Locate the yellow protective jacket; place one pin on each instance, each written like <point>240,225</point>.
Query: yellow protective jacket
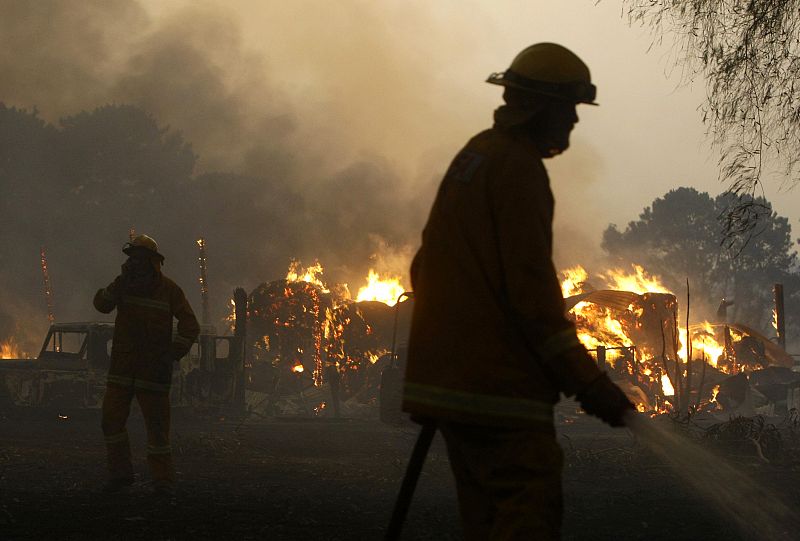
<point>489,327</point>
<point>144,348</point>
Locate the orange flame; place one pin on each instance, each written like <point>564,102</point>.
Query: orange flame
<point>666,386</point>
<point>10,350</point>
<point>312,274</point>
<point>704,343</point>
<point>611,328</point>
<point>639,282</point>
<point>298,368</point>
<point>385,289</point>
<point>574,280</point>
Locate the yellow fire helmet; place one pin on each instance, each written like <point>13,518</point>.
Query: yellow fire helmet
<point>551,70</point>
<point>143,245</point>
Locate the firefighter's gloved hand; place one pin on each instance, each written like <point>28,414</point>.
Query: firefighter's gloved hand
<point>117,287</point>
<point>603,399</point>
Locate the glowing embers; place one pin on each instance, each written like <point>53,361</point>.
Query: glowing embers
<point>312,330</point>
<point>643,344</point>
<point>631,325</point>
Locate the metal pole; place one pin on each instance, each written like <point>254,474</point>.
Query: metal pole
<point>201,244</point>
<point>48,291</point>
<point>409,294</point>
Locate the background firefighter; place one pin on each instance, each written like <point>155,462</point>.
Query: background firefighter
<point>142,357</point>
<point>490,347</point>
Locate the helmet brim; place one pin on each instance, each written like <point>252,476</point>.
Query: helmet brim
<point>131,250</point>
<point>576,91</point>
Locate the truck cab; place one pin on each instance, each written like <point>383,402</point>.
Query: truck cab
<point>71,368</point>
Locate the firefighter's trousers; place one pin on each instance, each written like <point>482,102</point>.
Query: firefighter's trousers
<point>156,411</point>
<point>508,481</point>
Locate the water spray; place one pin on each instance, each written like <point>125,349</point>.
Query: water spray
<point>757,511</point>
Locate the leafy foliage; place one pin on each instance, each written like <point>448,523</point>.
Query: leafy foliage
<point>678,236</point>
<point>749,53</point>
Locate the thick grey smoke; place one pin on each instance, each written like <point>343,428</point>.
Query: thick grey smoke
<point>260,191</point>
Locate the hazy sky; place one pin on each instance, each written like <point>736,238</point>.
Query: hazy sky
<point>403,79</point>
<point>353,105</point>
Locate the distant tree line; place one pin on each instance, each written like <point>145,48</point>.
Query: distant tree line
<point>678,237</point>
<point>78,187</point>
<point>748,52</point>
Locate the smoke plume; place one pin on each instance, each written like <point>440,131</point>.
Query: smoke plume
<point>244,170</point>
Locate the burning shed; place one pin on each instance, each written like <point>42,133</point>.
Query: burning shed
<point>315,342</point>
<point>633,328</point>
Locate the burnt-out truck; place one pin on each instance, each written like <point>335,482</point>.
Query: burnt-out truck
<point>71,369</point>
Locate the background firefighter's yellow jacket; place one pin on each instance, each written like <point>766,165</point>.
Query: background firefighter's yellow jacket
<point>488,320</point>
<point>143,347</point>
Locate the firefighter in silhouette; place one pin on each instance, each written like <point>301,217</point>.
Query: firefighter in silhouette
<point>144,350</point>
<point>490,347</point>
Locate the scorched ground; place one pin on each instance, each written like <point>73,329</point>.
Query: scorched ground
<point>331,479</point>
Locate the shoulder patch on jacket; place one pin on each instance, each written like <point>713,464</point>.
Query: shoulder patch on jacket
<point>464,166</point>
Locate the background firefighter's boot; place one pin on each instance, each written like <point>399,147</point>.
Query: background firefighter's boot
<point>155,409</point>
<point>120,467</point>
<point>116,408</point>
<point>161,468</point>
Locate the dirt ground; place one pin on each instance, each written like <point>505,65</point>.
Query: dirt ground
<point>326,479</point>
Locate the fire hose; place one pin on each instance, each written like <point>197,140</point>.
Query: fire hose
<point>413,470</point>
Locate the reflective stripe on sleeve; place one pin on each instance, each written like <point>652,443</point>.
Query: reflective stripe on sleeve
<point>479,404</point>
<point>558,343</point>
<point>145,385</point>
<point>159,450</point>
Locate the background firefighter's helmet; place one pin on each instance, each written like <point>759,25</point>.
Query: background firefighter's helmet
<point>143,245</point>
<point>551,70</point>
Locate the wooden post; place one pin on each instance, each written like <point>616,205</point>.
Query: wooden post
<point>240,333</point>
<point>677,384</point>
<point>688,394</point>
<point>634,365</point>
<point>601,358</point>
<point>780,315</point>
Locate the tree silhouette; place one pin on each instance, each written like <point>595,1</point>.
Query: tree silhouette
<point>119,154</point>
<point>749,53</point>
<point>678,237</point>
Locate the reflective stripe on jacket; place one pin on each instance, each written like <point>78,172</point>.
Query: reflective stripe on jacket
<point>144,347</point>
